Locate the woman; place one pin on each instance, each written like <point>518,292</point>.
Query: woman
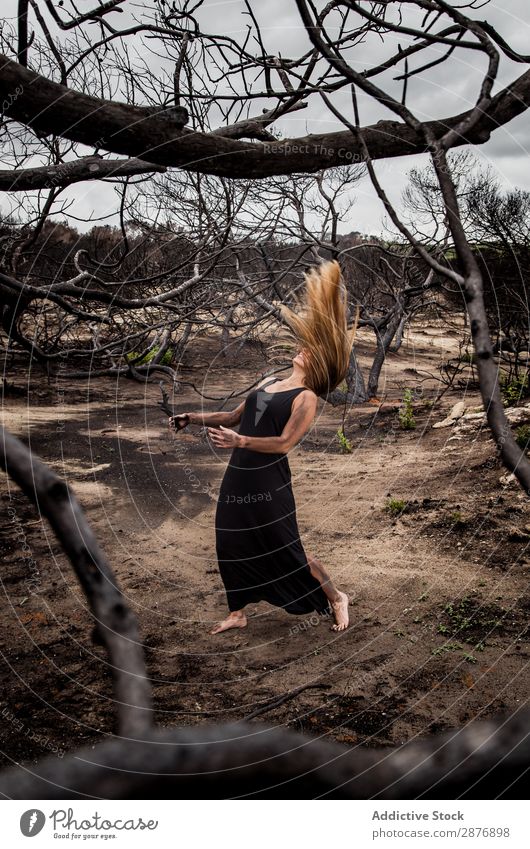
<point>260,555</point>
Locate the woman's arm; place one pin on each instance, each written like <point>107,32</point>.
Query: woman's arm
<point>227,418</point>
<point>302,414</point>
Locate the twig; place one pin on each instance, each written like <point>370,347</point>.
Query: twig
<point>285,698</point>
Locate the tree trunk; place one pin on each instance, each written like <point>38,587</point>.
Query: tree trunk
<point>399,335</point>
<point>383,344</point>
<point>355,387</point>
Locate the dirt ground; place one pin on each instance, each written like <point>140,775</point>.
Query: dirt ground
<point>439,594</point>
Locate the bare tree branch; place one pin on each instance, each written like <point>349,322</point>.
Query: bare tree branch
<point>116,625</point>
<point>483,760</point>
<point>75,171</point>
<point>158,135</point>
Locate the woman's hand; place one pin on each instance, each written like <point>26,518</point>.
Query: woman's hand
<point>179,422</point>
<point>223,437</point>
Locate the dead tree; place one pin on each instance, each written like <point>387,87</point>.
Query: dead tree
<point>47,95</point>
<point>497,225</point>
<point>244,144</point>
<point>448,26</point>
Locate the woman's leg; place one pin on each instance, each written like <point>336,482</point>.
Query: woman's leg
<point>235,619</point>
<point>338,599</point>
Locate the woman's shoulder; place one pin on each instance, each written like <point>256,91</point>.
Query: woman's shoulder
<point>307,396</point>
<point>308,392</point>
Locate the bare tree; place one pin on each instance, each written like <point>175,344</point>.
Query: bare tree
<point>70,79</point>
<point>215,76</point>
<point>460,31</point>
<point>497,225</point>
<point>221,81</point>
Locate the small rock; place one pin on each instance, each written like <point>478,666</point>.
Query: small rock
<point>474,416</point>
<point>456,413</point>
<point>516,535</point>
<point>518,415</point>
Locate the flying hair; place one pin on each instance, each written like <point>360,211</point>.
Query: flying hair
<point>320,326</point>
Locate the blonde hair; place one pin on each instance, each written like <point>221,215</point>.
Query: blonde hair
<point>320,326</point>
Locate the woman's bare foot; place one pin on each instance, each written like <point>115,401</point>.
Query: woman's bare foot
<point>340,612</point>
<point>236,619</point>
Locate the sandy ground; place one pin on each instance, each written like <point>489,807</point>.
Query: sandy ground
<point>439,595</point>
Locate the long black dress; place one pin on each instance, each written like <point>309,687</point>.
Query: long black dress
<point>260,554</point>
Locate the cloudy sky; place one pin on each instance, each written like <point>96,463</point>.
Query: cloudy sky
<point>446,90</point>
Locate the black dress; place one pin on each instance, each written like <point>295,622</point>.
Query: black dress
<point>260,555</point>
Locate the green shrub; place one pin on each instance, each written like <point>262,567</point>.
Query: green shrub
<point>447,647</point>
<point>515,389</point>
<point>406,413</point>
<point>457,520</point>
<point>395,506</point>
<point>165,361</point>
<point>344,443</point>
<point>523,437</point>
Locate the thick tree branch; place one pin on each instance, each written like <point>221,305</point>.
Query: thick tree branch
<point>115,624</point>
<point>481,761</point>
<point>158,136</point>
<point>75,171</point>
